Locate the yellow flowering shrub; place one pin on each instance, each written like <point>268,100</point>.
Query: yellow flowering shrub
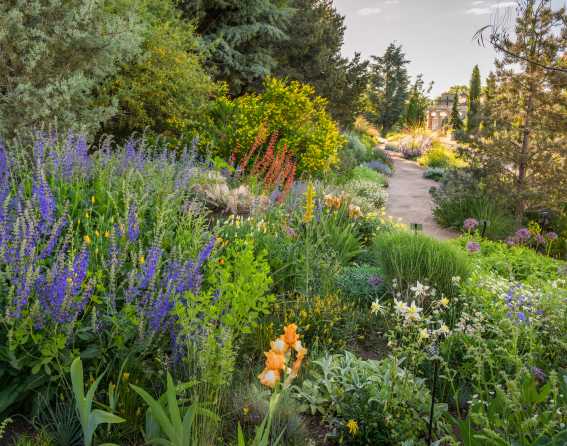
<point>294,112</point>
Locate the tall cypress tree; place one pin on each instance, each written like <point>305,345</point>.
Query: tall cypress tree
<point>418,102</point>
<point>473,112</point>
<point>456,121</point>
<point>488,103</point>
<point>388,87</point>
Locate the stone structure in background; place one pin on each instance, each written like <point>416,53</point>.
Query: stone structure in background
<point>439,114</point>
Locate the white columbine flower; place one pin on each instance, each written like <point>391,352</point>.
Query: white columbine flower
<point>419,289</point>
<point>400,306</point>
<point>456,280</point>
<point>424,333</point>
<point>444,330</point>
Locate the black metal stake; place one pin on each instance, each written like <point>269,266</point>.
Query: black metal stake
<point>432,411</point>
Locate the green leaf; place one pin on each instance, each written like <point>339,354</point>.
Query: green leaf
<point>157,411</point>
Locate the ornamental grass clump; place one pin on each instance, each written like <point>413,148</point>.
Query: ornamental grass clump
<point>409,258</point>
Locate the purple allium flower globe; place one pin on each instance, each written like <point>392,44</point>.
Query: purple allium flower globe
<point>523,234</point>
<point>470,224</point>
<point>540,239</point>
<point>473,247</point>
<point>551,236</point>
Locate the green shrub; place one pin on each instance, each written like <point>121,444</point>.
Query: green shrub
<point>368,195</point>
<point>434,173</point>
<point>407,258</point>
<point>354,153</point>
<point>440,156</point>
<point>362,283</point>
<point>363,173</point>
<point>367,402</point>
<point>293,111</point>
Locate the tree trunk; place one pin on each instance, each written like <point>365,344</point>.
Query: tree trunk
<point>524,154</point>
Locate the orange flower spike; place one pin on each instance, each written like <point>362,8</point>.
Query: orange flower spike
<point>290,334</point>
<point>269,378</point>
<point>274,361</point>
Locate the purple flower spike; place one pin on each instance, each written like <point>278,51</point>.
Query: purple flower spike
<point>470,224</point>
<point>539,374</point>
<point>133,225</point>
<point>473,247</point>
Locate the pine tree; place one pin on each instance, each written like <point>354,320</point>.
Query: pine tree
<point>456,121</point>
<point>388,88</point>
<point>240,37</point>
<point>473,112</point>
<point>418,102</point>
<point>54,56</point>
<point>525,156</point>
<point>312,55</point>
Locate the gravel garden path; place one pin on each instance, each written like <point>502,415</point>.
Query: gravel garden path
<point>409,198</point>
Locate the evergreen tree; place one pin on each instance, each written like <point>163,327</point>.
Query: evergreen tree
<point>525,156</point>
<point>418,103</point>
<point>312,55</point>
<point>456,121</point>
<point>53,55</point>
<point>473,112</point>
<point>489,97</point>
<point>388,88</point>
<point>239,37</point>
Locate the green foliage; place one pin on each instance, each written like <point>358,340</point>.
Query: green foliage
<point>239,37</point>
<point>434,173</point>
<point>368,195</point>
<point>166,90</point>
<point>388,404</point>
<point>55,56</point>
<point>362,283</point>
<point>293,111</point>
<point>462,195</point>
<point>90,418</point>
<point>363,173</point>
<point>440,156</point>
<point>356,151</point>
<point>456,121</point>
<point>418,102</point>
<point>175,420</point>
<point>388,89</point>
<point>312,55</point>
<point>408,258</point>
<point>473,112</point>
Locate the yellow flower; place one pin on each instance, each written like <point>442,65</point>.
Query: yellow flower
<point>245,410</point>
<point>142,260</point>
<point>97,233</point>
<point>444,330</point>
<point>125,376</point>
<point>352,427</point>
<point>354,211</point>
<point>87,239</point>
<point>309,203</point>
<point>376,308</point>
<point>444,301</point>
<point>107,234</point>
<point>69,280</point>
<point>93,199</point>
<point>423,333</point>
<point>412,312</point>
<point>269,378</point>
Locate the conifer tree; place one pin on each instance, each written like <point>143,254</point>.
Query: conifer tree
<point>525,155</point>
<point>456,121</point>
<point>473,112</point>
<point>417,103</point>
<point>240,37</point>
<point>53,55</point>
<point>388,88</point>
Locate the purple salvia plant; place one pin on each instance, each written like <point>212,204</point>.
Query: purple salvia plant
<point>45,200</point>
<point>133,225</point>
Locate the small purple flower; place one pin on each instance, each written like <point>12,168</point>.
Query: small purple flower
<point>539,374</point>
<point>45,200</point>
<point>473,247</point>
<point>522,316</point>
<point>523,234</point>
<point>512,241</point>
<point>540,239</point>
<point>291,232</point>
<point>551,236</point>
<point>470,224</point>
<point>375,281</point>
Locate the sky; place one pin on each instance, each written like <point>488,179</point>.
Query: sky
<point>436,35</point>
